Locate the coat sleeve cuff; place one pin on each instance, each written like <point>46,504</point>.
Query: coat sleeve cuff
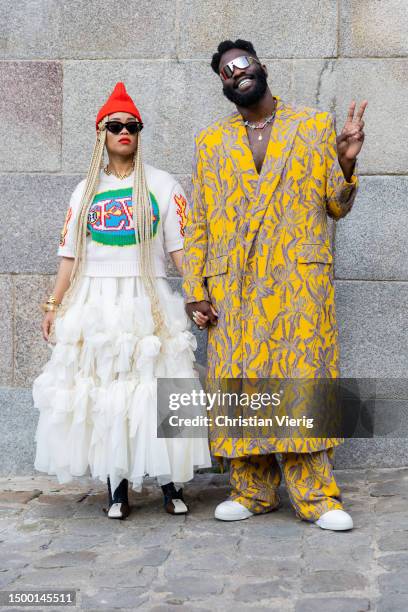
<point>353,182</point>
<point>346,190</point>
<point>194,291</point>
<point>343,192</point>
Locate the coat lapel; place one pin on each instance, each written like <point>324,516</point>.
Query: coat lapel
<point>236,146</point>
<point>280,144</point>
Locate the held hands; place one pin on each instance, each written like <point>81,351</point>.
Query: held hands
<point>202,313</point>
<point>351,138</point>
<point>47,322</point>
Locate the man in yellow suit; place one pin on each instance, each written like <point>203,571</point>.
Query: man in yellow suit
<point>258,271</point>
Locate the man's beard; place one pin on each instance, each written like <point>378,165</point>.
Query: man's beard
<point>252,97</point>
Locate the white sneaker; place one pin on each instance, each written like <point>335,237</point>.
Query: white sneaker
<point>231,511</point>
<point>336,520</point>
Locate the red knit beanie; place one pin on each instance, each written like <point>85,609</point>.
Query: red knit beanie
<point>118,102</point>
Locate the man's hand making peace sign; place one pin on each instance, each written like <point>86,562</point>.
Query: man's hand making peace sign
<point>351,139</point>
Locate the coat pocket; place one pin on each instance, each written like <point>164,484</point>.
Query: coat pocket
<point>314,253</point>
<point>217,265</point>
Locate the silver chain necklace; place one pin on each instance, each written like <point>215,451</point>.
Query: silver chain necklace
<point>260,126</point>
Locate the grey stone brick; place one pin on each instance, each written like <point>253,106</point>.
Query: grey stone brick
<point>211,22</point>
<point>196,586</point>
<point>67,559</point>
<point>331,581</point>
<point>30,116</point>
<point>108,599</point>
<point>9,577</point>
<point>77,542</point>
<point>396,541</point>
<point>392,603</point>
<point>92,527</point>
<point>31,351</point>
<point>18,497</point>
<point>387,506</point>
<point>366,452</point>
<point>373,28</point>
<point>30,29</point>
<point>17,428</point>
<point>151,557</point>
<point>258,591</point>
<point>208,560</point>
<point>394,562</point>
<point>390,488</point>
<point>314,83</point>
<point>124,575</point>
<point>50,577</point>
<point>14,561</point>
<point>43,29</point>
<point>333,604</point>
<point>316,559</point>
<point>6,329</point>
<point>370,242</point>
<point>394,520</point>
<point>394,582</point>
<point>121,30</point>
<point>34,222</point>
<point>373,336</point>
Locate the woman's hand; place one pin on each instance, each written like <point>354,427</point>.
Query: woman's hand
<point>48,320</point>
<point>202,313</point>
<point>62,283</point>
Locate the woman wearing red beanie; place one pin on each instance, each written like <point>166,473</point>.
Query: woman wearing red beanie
<point>116,325</point>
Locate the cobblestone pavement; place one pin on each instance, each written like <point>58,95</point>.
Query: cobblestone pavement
<point>58,537</point>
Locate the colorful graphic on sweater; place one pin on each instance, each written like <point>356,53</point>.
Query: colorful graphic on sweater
<point>181,204</point>
<point>65,228</point>
<point>110,217</point>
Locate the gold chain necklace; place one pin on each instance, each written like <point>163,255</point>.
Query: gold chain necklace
<point>119,176</point>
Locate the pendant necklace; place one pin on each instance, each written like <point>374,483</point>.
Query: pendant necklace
<point>261,125</point>
<point>117,174</point>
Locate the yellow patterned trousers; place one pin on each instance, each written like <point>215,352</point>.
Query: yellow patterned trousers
<point>309,480</point>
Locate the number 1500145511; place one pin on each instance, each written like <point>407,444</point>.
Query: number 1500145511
<point>34,598</point>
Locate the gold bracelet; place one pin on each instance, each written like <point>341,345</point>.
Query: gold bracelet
<point>51,305</point>
<point>46,307</point>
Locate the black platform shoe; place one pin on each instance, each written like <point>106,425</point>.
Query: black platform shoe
<point>173,500</point>
<point>118,503</point>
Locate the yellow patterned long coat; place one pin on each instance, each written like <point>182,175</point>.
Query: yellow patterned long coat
<point>258,247</point>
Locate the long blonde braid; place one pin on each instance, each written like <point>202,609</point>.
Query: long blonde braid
<point>143,220</point>
<point>91,185</point>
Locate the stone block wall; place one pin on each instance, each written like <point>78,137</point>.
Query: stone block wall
<point>58,62</point>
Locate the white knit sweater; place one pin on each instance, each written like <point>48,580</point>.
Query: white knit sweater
<point>111,242</point>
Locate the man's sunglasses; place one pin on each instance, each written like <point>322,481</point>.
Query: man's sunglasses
<point>117,126</point>
<point>239,62</point>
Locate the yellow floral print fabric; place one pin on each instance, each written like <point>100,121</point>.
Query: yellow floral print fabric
<point>309,480</point>
<point>258,247</point>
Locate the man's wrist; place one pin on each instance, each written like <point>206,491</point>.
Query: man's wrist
<point>348,167</point>
<point>194,293</point>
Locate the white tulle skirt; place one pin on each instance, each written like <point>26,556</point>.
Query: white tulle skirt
<point>97,393</point>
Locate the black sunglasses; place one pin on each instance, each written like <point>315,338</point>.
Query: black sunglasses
<point>117,126</point>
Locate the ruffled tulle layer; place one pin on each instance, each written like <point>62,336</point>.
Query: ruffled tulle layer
<point>97,393</point>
